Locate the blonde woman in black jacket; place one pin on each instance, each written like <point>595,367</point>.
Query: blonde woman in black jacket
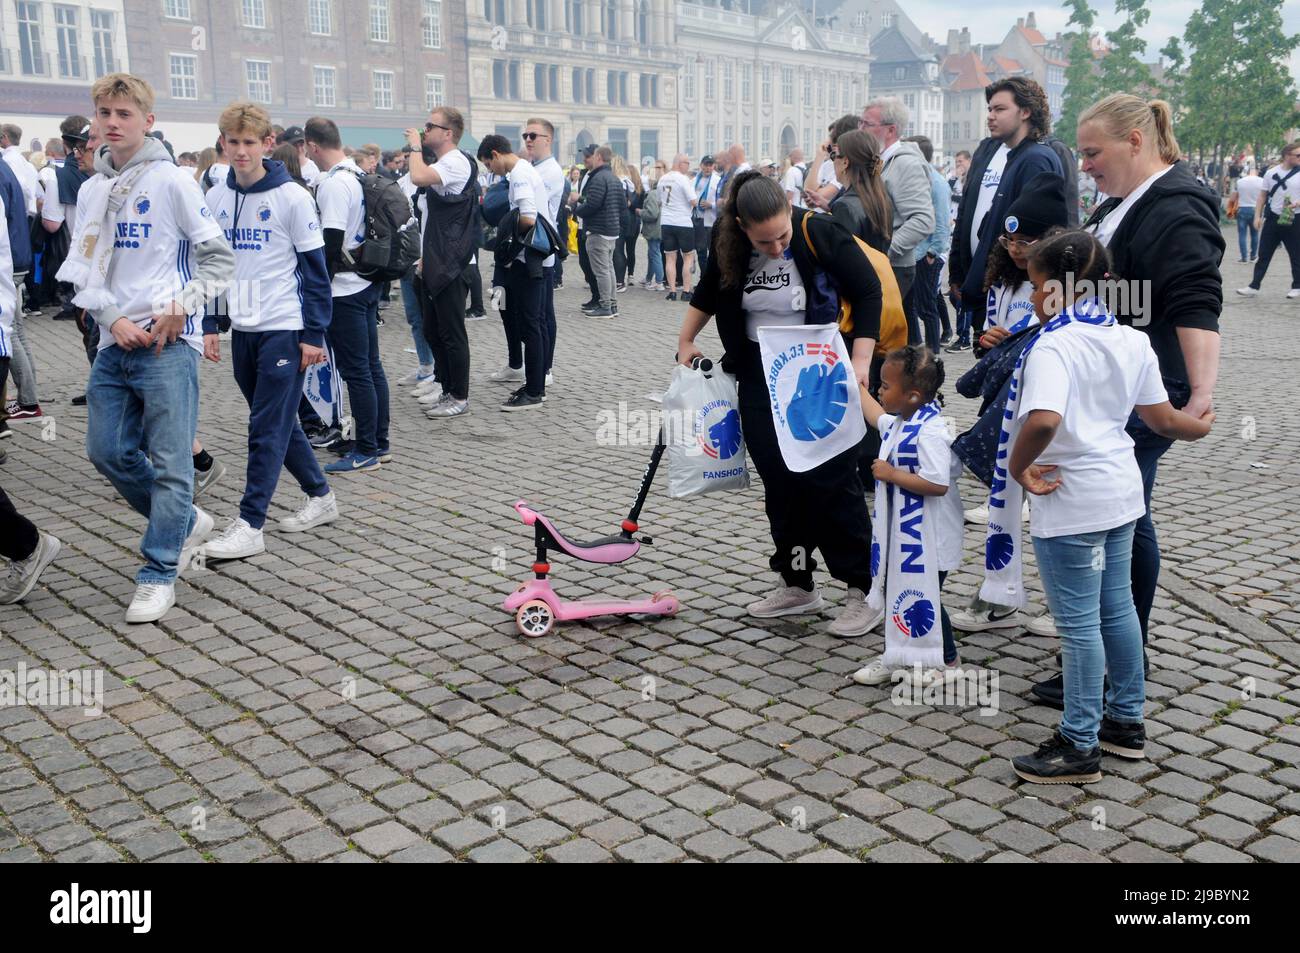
<point>823,508</point>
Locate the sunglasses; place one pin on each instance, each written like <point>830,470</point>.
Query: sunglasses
<point>430,126</point>
<point>530,136</point>
<point>1015,244</point>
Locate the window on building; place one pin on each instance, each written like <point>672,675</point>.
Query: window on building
<point>514,79</point>
<point>176,9</point>
<point>183,72</point>
<point>539,81</point>
<point>649,143</point>
<point>535,11</point>
<point>257,73</point>
<point>886,20</point>
<point>844,94</point>
<point>611,88</point>
<point>512,136</point>
<point>807,89</point>
<point>710,137</point>
<point>382,87</point>
<point>643,28</point>
<point>577,86</point>
<point>320,19</point>
<point>765,85</point>
<point>591,85</point>
<point>618,142</point>
<point>767,141</point>
<point>102,28</point>
<point>746,82</point>
<point>787,85</point>
<point>435,91</point>
<point>688,139</point>
<point>499,79</point>
<point>746,139</point>
<point>728,81</point>
<point>65,25</point>
<point>710,80</point>
<point>379,22</point>
<point>31,49</point>
<point>322,85</point>
<point>654,89</point>
<point>821,91</point>
<point>900,72</point>
<point>431,24</point>
<point>622,89</point>
<point>254,13</point>
<point>688,82</point>
<point>609,19</point>
<point>494,11</point>
<point>573,16</point>
<point>553,84</point>
<point>728,134</point>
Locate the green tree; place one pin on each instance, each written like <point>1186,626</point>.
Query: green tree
<point>1080,75</point>
<point>1171,87</point>
<point>1122,69</point>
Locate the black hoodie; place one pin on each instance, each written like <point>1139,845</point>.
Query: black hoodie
<point>1171,238</point>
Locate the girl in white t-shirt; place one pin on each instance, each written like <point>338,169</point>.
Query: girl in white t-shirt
<point>910,379</point>
<point>1072,394</point>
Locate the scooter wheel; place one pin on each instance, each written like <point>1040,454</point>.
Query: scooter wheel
<point>534,618</point>
<point>667,596</point>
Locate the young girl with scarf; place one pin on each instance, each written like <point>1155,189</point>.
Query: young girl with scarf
<point>1063,440</point>
<point>916,528</point>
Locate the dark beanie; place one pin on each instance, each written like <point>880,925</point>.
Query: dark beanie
<point>1040,205</point>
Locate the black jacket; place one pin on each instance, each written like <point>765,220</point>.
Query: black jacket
<point>452,233</point>
<point>603,203</point>
<point>838,269</point>
<point>846,208</point>
<point>1170,238</point>
<point>965,263</point>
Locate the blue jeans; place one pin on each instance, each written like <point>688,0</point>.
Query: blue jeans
<point>963,325</point>
<point>1089,589</point>
<point>138,400</point>
<point>266,369</point>
<point>1245,223</point>
<point>655,260</point>
<point>354,336</point>
<point>414,317</point>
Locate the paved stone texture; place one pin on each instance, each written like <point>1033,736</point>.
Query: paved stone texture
<point>358,693</point>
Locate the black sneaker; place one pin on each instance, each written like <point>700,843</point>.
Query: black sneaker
<point>330,437</point>
<point>602,313</point>
<point>671,296</point>
<point>522,400</point>
<point>956,346</point>
<point>1057,761</point>
<point>523,391</point>
<point>344,447</point>
<point>1123,739</point>
<point>79,400</point>
<point>1050,693</point>
<point>4,430</point>
<point>686,296</point>
<point>589,305</point>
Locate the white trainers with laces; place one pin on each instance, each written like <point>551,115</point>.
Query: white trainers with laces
<point>316,511</point>
<point>425,385</point>
<point>788,600</point>
<point>151,602</point>
<point>507,374</point>
<point>977,514</point>
<point>203,524</point>
<point>433,398</point>
<point>237,541</point>
<point>1042,624</point>
<point>873,673</point>
<point>856,617</point>
<point>1248,292</point>
<point>451,407</point>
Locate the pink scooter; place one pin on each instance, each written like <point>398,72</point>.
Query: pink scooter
<point>535,604</point>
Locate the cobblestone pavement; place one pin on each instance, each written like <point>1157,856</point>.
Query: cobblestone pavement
<point>231,733</point>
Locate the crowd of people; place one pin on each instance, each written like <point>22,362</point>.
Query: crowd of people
<point>267,256</point>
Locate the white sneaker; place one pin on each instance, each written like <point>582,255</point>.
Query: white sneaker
<point>151,602</point>
<point>1293,293</point>
<point>981,616</point>
<point>873,673</point>
<point>1042,624</point>
<point>550,378</point>
<point>413,377</point>
<point>856,617</point>
<point>237,541</point>
<point>507,374</point>
<point>977,514</point>
<point>203,524</point>
<point>434,397</point>
<point>932,675</point>
<point>1248,292</point>
<point>424,385</point>
<point>787,600</point>
<point>316,511</point>
<point>451,407</point>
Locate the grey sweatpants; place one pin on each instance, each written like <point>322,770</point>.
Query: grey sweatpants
<point>600,252</point>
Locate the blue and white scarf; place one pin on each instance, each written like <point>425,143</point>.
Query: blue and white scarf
<point>994,304</point>
<point>1003,584</point>
<point>904,554</point>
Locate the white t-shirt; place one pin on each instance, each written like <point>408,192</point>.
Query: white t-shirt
<point>310,171</point>
<point>1290,190</point>
<point>792,182</point>
<point>988,189</point>
<point>26,173</point>
<point>153,234</point>
<point>1010,308</point>
<point>527,194</point>
<point>266,230</point>
<point>1106,228</point>
<point>552,177</point>
<point>55,211</point>
<point>217,172</point>
<point>454,171</point>
<point>45,176</point>
<point>706,190</point>
<point>774,293</point>
<point>1092,376</point>
<point>940,466</point>
<point>676,196</point>
<point>342,206</point>
<point>1248,189</point>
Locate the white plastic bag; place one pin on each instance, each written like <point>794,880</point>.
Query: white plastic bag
<point>706,451</point>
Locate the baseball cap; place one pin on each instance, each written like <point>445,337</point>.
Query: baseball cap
<point>590,150</point>
<point>292,134</point>
<point>707,160</point>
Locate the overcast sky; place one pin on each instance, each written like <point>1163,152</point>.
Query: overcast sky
<point>996,17</point>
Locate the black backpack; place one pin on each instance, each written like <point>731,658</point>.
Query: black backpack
<point>391,245</point>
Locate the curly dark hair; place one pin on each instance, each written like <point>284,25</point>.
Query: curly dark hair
<point>1027,95</point>
<point>752,198</point>
<point>922,370</point>
<point>1002,269</point>
<point>1071,253</point>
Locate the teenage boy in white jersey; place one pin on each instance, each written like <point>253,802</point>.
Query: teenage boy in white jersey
<point>677,200</point>
<point>144,271</point>
<point>279,308</point>
<point>539,137</point>
<point>443,205</point>
<point>354,324</point>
